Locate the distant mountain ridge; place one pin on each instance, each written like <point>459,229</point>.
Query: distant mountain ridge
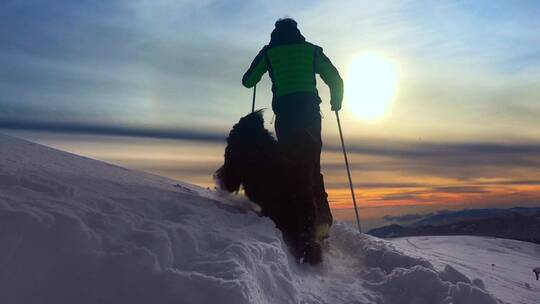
<point>449,217</point>
<point>515,223</point>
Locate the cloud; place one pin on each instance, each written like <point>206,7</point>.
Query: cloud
<point>379,185</point>
<point>124,61</point>
<point>420,149</point>
<point>528,182</point>
<point>463,161</point>
<point>112,130</point>
<point>460,189</point>
<point>458,160</point>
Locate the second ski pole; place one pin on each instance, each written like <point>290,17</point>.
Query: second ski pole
<point>348,172</point>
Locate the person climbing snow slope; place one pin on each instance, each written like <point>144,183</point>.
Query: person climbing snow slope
<point>292,64</point>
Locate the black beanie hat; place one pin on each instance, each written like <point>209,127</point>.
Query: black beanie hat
<point>286,23</point>
<point>286,32</point>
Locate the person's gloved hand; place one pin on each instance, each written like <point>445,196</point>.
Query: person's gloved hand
<point>335,107</point>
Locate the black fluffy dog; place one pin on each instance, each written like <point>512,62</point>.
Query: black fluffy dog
<point>254,160</point>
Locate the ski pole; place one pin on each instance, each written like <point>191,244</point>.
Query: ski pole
<point>253,103</point>
<point>348,172</point>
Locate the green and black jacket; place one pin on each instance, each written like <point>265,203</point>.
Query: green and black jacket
<point>292,68</point>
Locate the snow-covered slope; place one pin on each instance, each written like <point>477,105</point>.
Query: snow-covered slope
<point>505,266</point>
<point>76,230</point>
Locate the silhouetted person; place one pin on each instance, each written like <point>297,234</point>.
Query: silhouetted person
<point>292,63</point>
<point>537,272</point>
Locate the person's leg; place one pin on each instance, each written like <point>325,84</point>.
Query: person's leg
<point>324,215</point>
<point>320,197</point>
<point>295,140</point>
<point>307,247</point>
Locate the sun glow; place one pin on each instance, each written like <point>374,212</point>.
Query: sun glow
<point>370,86</point>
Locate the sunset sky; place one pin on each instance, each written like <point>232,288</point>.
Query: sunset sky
<point>155,85</point>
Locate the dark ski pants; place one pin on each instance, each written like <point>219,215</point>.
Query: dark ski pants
<point>298,129</point>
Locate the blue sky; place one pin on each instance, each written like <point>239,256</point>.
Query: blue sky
<point>178,63</point>
<point>465,114</point>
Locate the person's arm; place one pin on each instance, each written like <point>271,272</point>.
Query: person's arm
<point>256,70</point>
<point>330,75</point>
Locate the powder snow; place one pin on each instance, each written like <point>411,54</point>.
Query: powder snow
<point>77,230</point>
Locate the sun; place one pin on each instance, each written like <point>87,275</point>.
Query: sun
<point>370,86</point>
